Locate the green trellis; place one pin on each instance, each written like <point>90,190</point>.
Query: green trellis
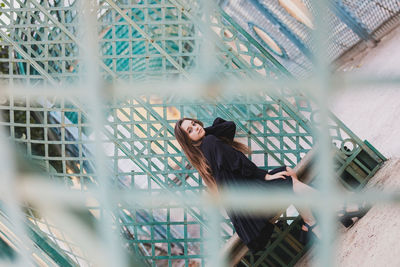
<point>138,41</point>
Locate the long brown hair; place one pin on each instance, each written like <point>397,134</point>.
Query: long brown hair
<point>195,156</point>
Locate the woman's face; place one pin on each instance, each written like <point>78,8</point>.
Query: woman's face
<point>193,130</point>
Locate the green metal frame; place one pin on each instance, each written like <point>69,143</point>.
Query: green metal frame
<point>156,40</point>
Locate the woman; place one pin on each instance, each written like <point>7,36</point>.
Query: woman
<point>220,160</point>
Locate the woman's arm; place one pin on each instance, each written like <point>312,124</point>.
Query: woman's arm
<point>227,158</point>
<point>222,128</point>
<point>280,173</point>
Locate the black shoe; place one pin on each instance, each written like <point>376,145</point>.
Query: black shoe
<point>348,218</point>
<point>306,236</point>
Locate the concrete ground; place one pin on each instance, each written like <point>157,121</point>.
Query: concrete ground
<point>373,113</point>
<point>372,241</point>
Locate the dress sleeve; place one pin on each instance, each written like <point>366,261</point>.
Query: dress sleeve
<point>276,170</point>
<point>228,158</point>
<point>222,128</point>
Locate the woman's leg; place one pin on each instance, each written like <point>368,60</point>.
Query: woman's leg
<point>305,213</point>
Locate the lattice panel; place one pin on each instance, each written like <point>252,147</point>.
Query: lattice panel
<point>41,40</point>
<point>147,40</point>
<point>136,40</point>
<point>143,153</point>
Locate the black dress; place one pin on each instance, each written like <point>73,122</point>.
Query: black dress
<point>231,167</point>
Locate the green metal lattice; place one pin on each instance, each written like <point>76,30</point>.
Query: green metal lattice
<point>152,40</point>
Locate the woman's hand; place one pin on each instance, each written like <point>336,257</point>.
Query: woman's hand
<point>291,172</point>
<point>279,175</point>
